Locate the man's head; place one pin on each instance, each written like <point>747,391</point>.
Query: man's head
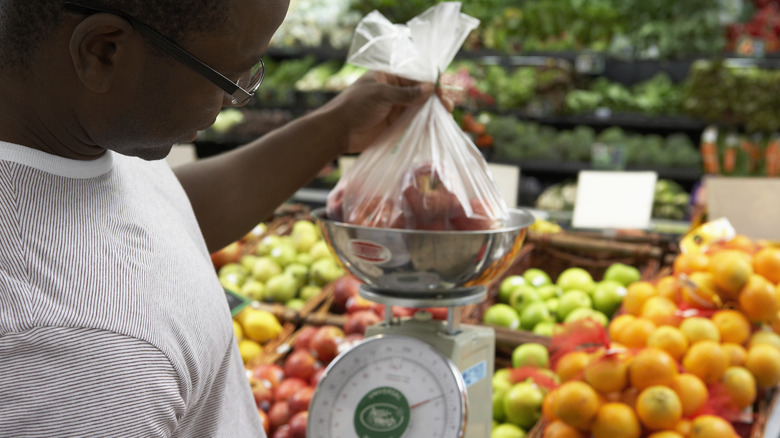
<point>103,83</point>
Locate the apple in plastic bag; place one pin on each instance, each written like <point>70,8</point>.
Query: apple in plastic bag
<point>378,212</point>
<point>428,200</point>
<point>479,219</point>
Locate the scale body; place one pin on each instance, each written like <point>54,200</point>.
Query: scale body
<point>416,269</point>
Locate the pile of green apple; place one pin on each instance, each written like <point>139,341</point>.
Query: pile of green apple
<point>517,401</point>
<point>288,269</point>
<point>533,302</point>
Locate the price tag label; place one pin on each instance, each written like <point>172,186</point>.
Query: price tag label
<point>750,204</point>
<point>236,302</point>
<point>614,200</point>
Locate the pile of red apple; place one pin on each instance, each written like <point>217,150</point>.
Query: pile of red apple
<point>427,200</point>
<point>283,392</point>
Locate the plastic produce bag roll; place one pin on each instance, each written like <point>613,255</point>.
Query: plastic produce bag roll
<point>424,172</point>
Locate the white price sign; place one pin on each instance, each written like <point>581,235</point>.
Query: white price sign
<point>614,200</point>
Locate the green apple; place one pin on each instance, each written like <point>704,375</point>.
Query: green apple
<point>283,253</point>
<point>530,354</point>
<point>248,261</point>
<point>266,244</point>
<point>507,430</point>
<point>304,235</point>
<point>622,273</point>
<point>229,282</point>
<point>295,304</point>
<point>501,315</point>
<point>303,258</point>
<point>522,296</point>
<point>608,296</point>
<point>502,377</point>
<point>508,285</point>
<point>309,291</point>
<point>545,328</point>
<point>234,268</point>
<point>572,300</point>
<point>552,304</point>
<point>536,277</point>
<point>253,289</point>
<point>320,250</point>
<point>281,288</point>
<point>265,268</point>
<point>534,313</point>
<point>523,404</point>
<point>299,271</point>
<point>584,313</point>
<point>576,278</point>
<point>548,291</point>
<point>325,270</point>
<point>500,388</point>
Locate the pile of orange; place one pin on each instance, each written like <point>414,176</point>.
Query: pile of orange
<point>710,329</point>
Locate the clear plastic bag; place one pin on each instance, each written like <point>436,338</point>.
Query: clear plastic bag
<point>424,172</point>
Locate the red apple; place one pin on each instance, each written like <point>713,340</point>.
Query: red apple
<point>344,288</point>
<point>264,420</point>
<point>271,373</point>
<point>428,202</point>
<point>228,254</point>
<point>438,313</point>
<point>282,432</point>
<point>357,322</point>
<point>377,212</point>
<point>315,378</point>
<point>288,387</point>
<point>300,363</point>
<point>350,340</point>
<point>358,303</point>
<point>298,424</point>
<point>303,338</point>
<point>300,400</point>
<point>325,343</point>
<point>334,207</point>
<point>262,392</point>
<point>479,219</point>
<point>279,414</point>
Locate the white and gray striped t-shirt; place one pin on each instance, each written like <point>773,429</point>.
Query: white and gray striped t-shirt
<point>112,322</point>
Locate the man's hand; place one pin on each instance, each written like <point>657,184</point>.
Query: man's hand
<point>374,102</point>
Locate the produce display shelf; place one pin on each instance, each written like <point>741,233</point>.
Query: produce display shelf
<point>572,167</point>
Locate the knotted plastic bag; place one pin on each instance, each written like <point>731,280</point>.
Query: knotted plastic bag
<point>424,172</point>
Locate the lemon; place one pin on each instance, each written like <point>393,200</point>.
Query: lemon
<point>238,330</point>
<point>249,349</point>
<point>260,325</point>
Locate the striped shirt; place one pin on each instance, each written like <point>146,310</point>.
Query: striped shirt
<point>112,322</point>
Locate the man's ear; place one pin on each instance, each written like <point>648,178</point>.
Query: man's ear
<point>97,45</point>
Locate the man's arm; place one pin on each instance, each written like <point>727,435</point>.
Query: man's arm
<point>232,192</point>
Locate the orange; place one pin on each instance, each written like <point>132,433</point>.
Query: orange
<point>697,328</point>
<point>766,262</point>
<point>774,323</point>
<point>608,371</point>
<point>559,429</point>
<point>660,310</point>
<point>711,426</point>
<point>735,352</point>
<point>636,295</point>
<point>764,337</point>
<point>740,385</point>
<point>669,287</point>
<point>617,325</point>
<point>732,325</point>
<point>740,242</point>
<point>652,366</point>
<point>665,434</point>
<point>658,407</point>
<point>758,299</point>
<point>636,332</point>
<point>706,360</point>
<point>616,420</point>
<point>576,404</point>
<point>690,262</point>
<point>730,271</point>
<point>692,392</point>
<point>683,427</point>
<point>764,362</point>
<point>547,406</point>
<point>700,292</point>
<point>669,339</point>
<point>571,365</point>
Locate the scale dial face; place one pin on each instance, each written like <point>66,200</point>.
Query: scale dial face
<point>389,386</point>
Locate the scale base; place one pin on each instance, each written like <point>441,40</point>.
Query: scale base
<point>471,349</point>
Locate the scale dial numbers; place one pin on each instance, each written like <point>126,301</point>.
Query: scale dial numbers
<point>389,386</point>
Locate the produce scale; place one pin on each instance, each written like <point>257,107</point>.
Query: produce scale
<point>415,377</point>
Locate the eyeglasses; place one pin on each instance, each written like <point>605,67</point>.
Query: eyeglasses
<point>238,92</point>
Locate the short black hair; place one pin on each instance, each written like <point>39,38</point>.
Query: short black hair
<point>25,24</point>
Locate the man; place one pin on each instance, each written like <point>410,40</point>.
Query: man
<point>112,322</point>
